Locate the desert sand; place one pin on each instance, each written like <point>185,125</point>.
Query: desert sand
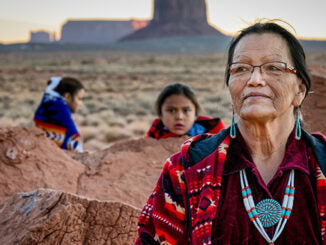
<point>121,88</point>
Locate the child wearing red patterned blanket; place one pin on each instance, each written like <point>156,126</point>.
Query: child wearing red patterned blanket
<point>178,108</point>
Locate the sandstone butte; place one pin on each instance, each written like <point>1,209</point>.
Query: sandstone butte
<point>176,18</point>
<point>51,196</point>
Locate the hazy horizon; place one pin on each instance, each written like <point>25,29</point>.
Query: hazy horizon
<point>18,19</point>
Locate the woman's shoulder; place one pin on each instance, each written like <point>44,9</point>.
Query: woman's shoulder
<point>195,149</point>
<point>320,136</point>
<point>317,142</point>
<point>314,139</point>
<point>211,125</point>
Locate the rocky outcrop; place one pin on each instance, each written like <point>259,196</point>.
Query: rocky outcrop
<point>28,161</point>
<point>125,172</point>
<point>314,106</point>
<point>177,18</point>
<point>98,31</point>
<point>53,217</point>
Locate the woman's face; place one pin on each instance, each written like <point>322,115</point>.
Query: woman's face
<point>178,114</point>
<point>262,96</point>
<point>76,101</point>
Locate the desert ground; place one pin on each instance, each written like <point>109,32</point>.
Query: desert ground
<point>95,197</point>
<point>121,87</point>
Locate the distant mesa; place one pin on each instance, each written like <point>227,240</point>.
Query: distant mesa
<point>176,18</point>
<point>42,37</point>
<point>170,18</point>
<point>98,31</point>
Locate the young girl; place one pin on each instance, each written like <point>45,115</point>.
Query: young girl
<point>62,97</point>
<point>178,108</point>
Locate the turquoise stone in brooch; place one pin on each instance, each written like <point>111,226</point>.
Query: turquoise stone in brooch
<point>269,212</point>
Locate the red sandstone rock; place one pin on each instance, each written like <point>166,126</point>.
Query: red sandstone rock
<point>54,217</point>
<point>126,172</point>
<point>177,18</point>
<point>314,106</point>
<point>28,160</point>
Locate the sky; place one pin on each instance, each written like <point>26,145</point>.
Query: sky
<point>19,17</point>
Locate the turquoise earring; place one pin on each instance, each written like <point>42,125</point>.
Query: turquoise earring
<point>298,126</point>
<point>233,131</point>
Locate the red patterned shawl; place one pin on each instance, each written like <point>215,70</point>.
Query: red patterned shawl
<point>181,208</point>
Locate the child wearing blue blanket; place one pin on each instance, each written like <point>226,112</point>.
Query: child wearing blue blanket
<point>62,97</point>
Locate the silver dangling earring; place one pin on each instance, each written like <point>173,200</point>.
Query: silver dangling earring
<point>233,131</point>
<point>298,125</point>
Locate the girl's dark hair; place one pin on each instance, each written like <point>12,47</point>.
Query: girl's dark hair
<point>178,89</point>
<point>68,85</point>
<point>296,50</point>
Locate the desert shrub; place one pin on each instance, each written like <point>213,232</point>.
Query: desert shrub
<point>139,132</point>
<point>115,135</point>
<point>90,120</point>
<point>87,62</point>
<point>116,122</point>
<point>88,135</point>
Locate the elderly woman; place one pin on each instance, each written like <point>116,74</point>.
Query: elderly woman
<point>259,182</point>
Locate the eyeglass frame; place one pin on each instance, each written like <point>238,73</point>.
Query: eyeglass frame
<point>289,69</point>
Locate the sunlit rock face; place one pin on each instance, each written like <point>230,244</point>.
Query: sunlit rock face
<point>47,216</point>
<point>52,196</point>
<point>29,160</point>
<point>126,171</point>
<point>177,18</point>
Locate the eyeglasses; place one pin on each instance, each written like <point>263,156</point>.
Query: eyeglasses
<point>271,69</point>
